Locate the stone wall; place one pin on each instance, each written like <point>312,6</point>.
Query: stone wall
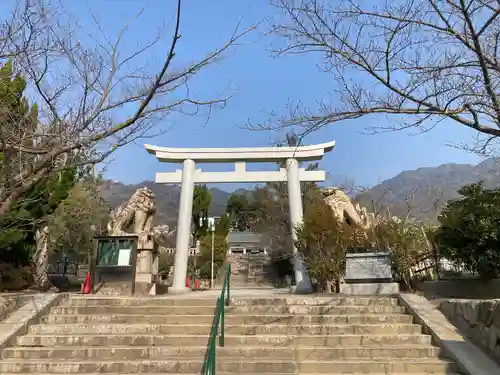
<point>461,288</point>
<point>7,305</point>
<point>478,320</point>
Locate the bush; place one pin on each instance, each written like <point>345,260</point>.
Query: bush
<point>470,230</point>
<point>323,243</point>
<point>320,242</point>
<point>15,278</point>
<point>405,242</point>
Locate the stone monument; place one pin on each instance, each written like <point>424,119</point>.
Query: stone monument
<point>369,273</point>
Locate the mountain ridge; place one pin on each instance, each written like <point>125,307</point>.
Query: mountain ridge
<point>422,191</point>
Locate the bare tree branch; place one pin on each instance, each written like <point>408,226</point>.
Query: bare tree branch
<point>83,90</point>
<point>420,61</point>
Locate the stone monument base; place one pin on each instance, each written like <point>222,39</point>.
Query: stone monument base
<point>118,288</point>
<point>370,289</point>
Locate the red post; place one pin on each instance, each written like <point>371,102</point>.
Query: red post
<point>197,284</point>
<point>188,282</point>
<point>86,284</point>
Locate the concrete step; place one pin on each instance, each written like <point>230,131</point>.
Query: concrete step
<point>204,329</point>
<point>207,310</point>
<point>406,366</point>
<point>159,352</point>
<point>229,319</point>
<point>78,301</point>
<point>230,340</point>
<point>225,373</point>
<point>319,301</point>
<point>183,365</point>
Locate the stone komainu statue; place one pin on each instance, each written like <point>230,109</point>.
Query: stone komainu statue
<point>134,216</point>
<point>344,210</point>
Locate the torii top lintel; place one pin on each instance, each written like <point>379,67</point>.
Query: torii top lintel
<point>232,154</point>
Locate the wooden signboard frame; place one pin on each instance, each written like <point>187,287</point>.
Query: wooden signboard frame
<point>113,272</point>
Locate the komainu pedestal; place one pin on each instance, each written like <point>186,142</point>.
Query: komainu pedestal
<point>146,276</point>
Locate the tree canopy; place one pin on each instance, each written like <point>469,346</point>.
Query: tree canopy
<point>19,120</point>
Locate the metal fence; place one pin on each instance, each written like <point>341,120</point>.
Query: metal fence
<point>430,267</point>
<point>64,267</point>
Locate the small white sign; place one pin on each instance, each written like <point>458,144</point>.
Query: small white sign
<point>211,224</point>
<point>124,257</point>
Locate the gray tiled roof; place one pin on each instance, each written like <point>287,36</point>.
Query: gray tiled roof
<point>244,237</point>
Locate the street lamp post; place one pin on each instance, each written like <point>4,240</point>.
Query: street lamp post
<point>211,228</point>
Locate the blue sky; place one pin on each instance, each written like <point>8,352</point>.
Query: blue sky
<point>263,83</point>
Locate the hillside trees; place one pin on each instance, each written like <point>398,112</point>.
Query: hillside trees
<point>82,80</point>
<point>241,212</point>
<point>270,211</point>
<point>420,62</point>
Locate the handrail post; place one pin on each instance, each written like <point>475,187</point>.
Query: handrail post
<point>212,364</point>
<point>221,304</point>
<point>228,275</point>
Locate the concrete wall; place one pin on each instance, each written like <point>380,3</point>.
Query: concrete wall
<point>478,320</point>
<point>460,288</point>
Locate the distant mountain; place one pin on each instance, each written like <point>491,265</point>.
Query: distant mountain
<point>167,198</point>
<point>424,191</point>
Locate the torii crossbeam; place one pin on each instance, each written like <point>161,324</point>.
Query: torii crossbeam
<point>189,175</point>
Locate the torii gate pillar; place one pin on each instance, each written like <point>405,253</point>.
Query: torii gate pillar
<point>302,282</point>
<point>189,175</point>
<point>183,229</point>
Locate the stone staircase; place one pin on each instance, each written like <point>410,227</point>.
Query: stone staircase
<point>250,271</point>
<point>282,335</point>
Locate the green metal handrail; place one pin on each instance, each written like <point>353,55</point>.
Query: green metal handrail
<point>209,364</point>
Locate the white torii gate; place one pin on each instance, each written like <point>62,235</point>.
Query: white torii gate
<point>189,175</point>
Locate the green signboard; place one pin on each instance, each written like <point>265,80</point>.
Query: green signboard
<point>115,251</point>
<point>114,260</point>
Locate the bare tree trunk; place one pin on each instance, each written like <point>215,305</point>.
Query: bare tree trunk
<point>41,260</point>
